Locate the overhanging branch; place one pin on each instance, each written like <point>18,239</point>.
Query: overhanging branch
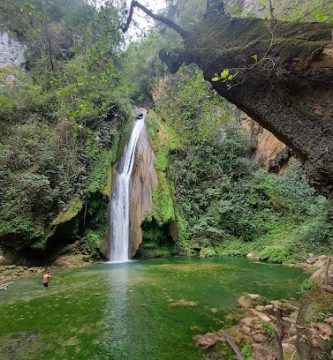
<point>183,33</point>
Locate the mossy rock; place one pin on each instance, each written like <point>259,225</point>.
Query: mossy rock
<point>74,207</point>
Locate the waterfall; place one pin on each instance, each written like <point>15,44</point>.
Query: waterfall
<point>119,208</point>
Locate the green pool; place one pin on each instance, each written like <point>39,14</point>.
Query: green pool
<point>142,310</point>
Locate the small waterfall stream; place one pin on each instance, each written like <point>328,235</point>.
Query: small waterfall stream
<point>119,209</point>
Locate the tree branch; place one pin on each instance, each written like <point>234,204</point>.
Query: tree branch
<point>271,10</point>
<point>183,33</point>
<point>232,344</point>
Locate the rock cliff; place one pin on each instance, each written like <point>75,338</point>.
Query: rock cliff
<point>11,50</point>
<point>266,150</point>
<point>283,79</point>
<point>144,182</point>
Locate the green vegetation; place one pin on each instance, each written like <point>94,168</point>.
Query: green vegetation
<point>316,305</point>
<point>162,197</point>
<point>62,122</point>
<point>65,120</point>
<point>268,329</point>
<point>230,206</point>
<point>307,285</point>
<point>157,226</point>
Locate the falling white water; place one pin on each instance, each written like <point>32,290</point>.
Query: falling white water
<point>119,212</point>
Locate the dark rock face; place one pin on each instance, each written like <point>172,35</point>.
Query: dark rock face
<point>283,80</point>
<point>266,150</point>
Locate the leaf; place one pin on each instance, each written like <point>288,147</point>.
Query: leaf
<point>254,57</point>
<point>230,77</point>
<point>215,78</point>
<point>225,74</point>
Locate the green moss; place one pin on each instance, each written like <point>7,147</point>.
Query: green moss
<point>183,246</point>
<point>165,211</point>
<point>74,207</point>
<point>121,137</point>
<point>152,124</point>
<point>163,203</point>
<point>156,240</point>
<point>101,174</point>
<point>108,187</point>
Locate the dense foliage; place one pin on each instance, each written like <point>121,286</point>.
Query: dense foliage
<point>61,121</point>
<point>230,205</point>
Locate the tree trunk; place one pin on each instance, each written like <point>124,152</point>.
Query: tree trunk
<point>283,80</point>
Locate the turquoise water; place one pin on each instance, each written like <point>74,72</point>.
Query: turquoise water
<point>142,310</point>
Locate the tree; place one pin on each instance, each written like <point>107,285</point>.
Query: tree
<point>280,73</point>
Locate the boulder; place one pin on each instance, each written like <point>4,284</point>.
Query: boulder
<point>269,307</point>
<point>260,308</point>
<point>249,322</point>
<point>252,256</point>
<point>259,338</point>
<point>208,340</point>
<point>260,315</point>
<point>246,330</point>
<point>292,331</point>
<point>317,260</point>
<point>244,301</point>
<point>289,350</point>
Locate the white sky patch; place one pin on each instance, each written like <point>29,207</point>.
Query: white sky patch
<point>141,22</point>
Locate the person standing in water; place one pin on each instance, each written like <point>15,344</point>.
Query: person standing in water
<point>46,278</point>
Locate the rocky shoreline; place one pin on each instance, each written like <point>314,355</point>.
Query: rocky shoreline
<point>10,273</point>
<point>271,329</point>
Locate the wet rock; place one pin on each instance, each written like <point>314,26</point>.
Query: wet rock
<point>293,317</point>
<point>246,330</point>
<point>259,338</point>
<point>319,276</point>
<point>249,322</point>
<point>144,182</point>
<point>329,320</point>
<point>317,260</point>
<point>252,256</point>
<point>260,315</point>
<point>292,331</point>
<point>254,296</point>
<point>289,350</point>
<point>245,301</point>
<point>277,304</point>
<point>324,330</point>
<point>269,307</point>
<point>208,340</point>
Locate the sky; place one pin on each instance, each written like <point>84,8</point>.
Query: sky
<point>144,21</point>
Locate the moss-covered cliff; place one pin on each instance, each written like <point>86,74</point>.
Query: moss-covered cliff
<point>274,68</point>
<point>163,232</point>
<point>225,203</point>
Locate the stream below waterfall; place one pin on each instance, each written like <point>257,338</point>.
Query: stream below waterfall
<point>131,310</point>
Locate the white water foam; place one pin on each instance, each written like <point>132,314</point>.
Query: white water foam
<point>119,208</point>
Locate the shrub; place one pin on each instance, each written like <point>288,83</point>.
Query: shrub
<point>268,329</point>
